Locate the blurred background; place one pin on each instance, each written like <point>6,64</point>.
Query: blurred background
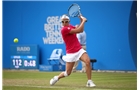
<point>111,32</point>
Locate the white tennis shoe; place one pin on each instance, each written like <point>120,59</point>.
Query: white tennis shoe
<point>53,80</point>
<point>90,84</point>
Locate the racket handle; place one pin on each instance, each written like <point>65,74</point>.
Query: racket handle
<point>82,17</point>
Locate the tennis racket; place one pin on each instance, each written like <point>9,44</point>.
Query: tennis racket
<point>74,10</point>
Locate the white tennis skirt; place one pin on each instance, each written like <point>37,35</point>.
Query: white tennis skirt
<point>73,57</point>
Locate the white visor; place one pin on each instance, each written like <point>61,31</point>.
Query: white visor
<point>65,16</point>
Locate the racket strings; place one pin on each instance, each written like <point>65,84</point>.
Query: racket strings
<point>74,11</point>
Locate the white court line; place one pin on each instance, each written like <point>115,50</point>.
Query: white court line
<point>52,87</point>
<point>35,86</point>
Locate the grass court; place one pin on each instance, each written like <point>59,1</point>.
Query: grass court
<point>36,80</point>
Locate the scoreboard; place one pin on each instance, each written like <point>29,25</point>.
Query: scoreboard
<point>24,56</point>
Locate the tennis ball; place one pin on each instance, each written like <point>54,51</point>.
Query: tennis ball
<point>16,40</point>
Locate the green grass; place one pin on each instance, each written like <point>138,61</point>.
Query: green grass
<point>35,80</point>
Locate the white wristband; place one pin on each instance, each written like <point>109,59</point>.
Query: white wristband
<point>82,17</point>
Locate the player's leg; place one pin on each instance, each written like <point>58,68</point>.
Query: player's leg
<point>85,58</point>
<point>67,72</point>
<point>83,64</point>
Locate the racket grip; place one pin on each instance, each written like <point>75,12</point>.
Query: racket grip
<point>82,17</point>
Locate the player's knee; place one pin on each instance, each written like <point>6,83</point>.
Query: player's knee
<point>87,62</point>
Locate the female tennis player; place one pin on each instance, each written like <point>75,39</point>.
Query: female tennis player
<point>74,50</point>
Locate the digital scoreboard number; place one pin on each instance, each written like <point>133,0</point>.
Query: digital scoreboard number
<point>24,57</point>
<point>16,61</point>
<point>24,62</point>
